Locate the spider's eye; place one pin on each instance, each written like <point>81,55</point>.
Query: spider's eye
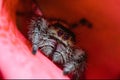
<point>66,37</point>
<point>60,33</point>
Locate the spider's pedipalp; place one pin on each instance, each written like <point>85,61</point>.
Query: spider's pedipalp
<point>47,46</point>
<point>62,54</point>
<point>37,30</point>
<point>34,35</point>
<point>34,49</point>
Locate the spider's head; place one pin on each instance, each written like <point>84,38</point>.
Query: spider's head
<point>61,31</point>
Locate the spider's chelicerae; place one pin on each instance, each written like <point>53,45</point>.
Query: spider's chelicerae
<point>57,42</point>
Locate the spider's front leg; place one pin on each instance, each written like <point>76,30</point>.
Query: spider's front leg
<point>47,45</point>
<point>35,40</point>
<point>37,29</point>
<point>60,54</point>
<point>76,65</point>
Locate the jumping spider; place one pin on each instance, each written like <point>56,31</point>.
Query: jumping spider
<point>56,41</point>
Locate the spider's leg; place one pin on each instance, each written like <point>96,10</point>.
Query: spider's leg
<point>48,46</point>
<point>60,55</point>
<point>76,76</point>
<point>82,22</point>
<point>76,65</point>
<point>69,67</point>
<point>37,28</point>
<point>34,49</point>
<point>35,41</point>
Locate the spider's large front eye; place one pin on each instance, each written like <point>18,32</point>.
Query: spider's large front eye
<point>66,37</point>
<point>60,33</point>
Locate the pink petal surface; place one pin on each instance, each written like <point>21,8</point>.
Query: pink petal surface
<point>16,59</point>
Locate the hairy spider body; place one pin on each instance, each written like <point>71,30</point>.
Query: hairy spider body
<point>56,40</point>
